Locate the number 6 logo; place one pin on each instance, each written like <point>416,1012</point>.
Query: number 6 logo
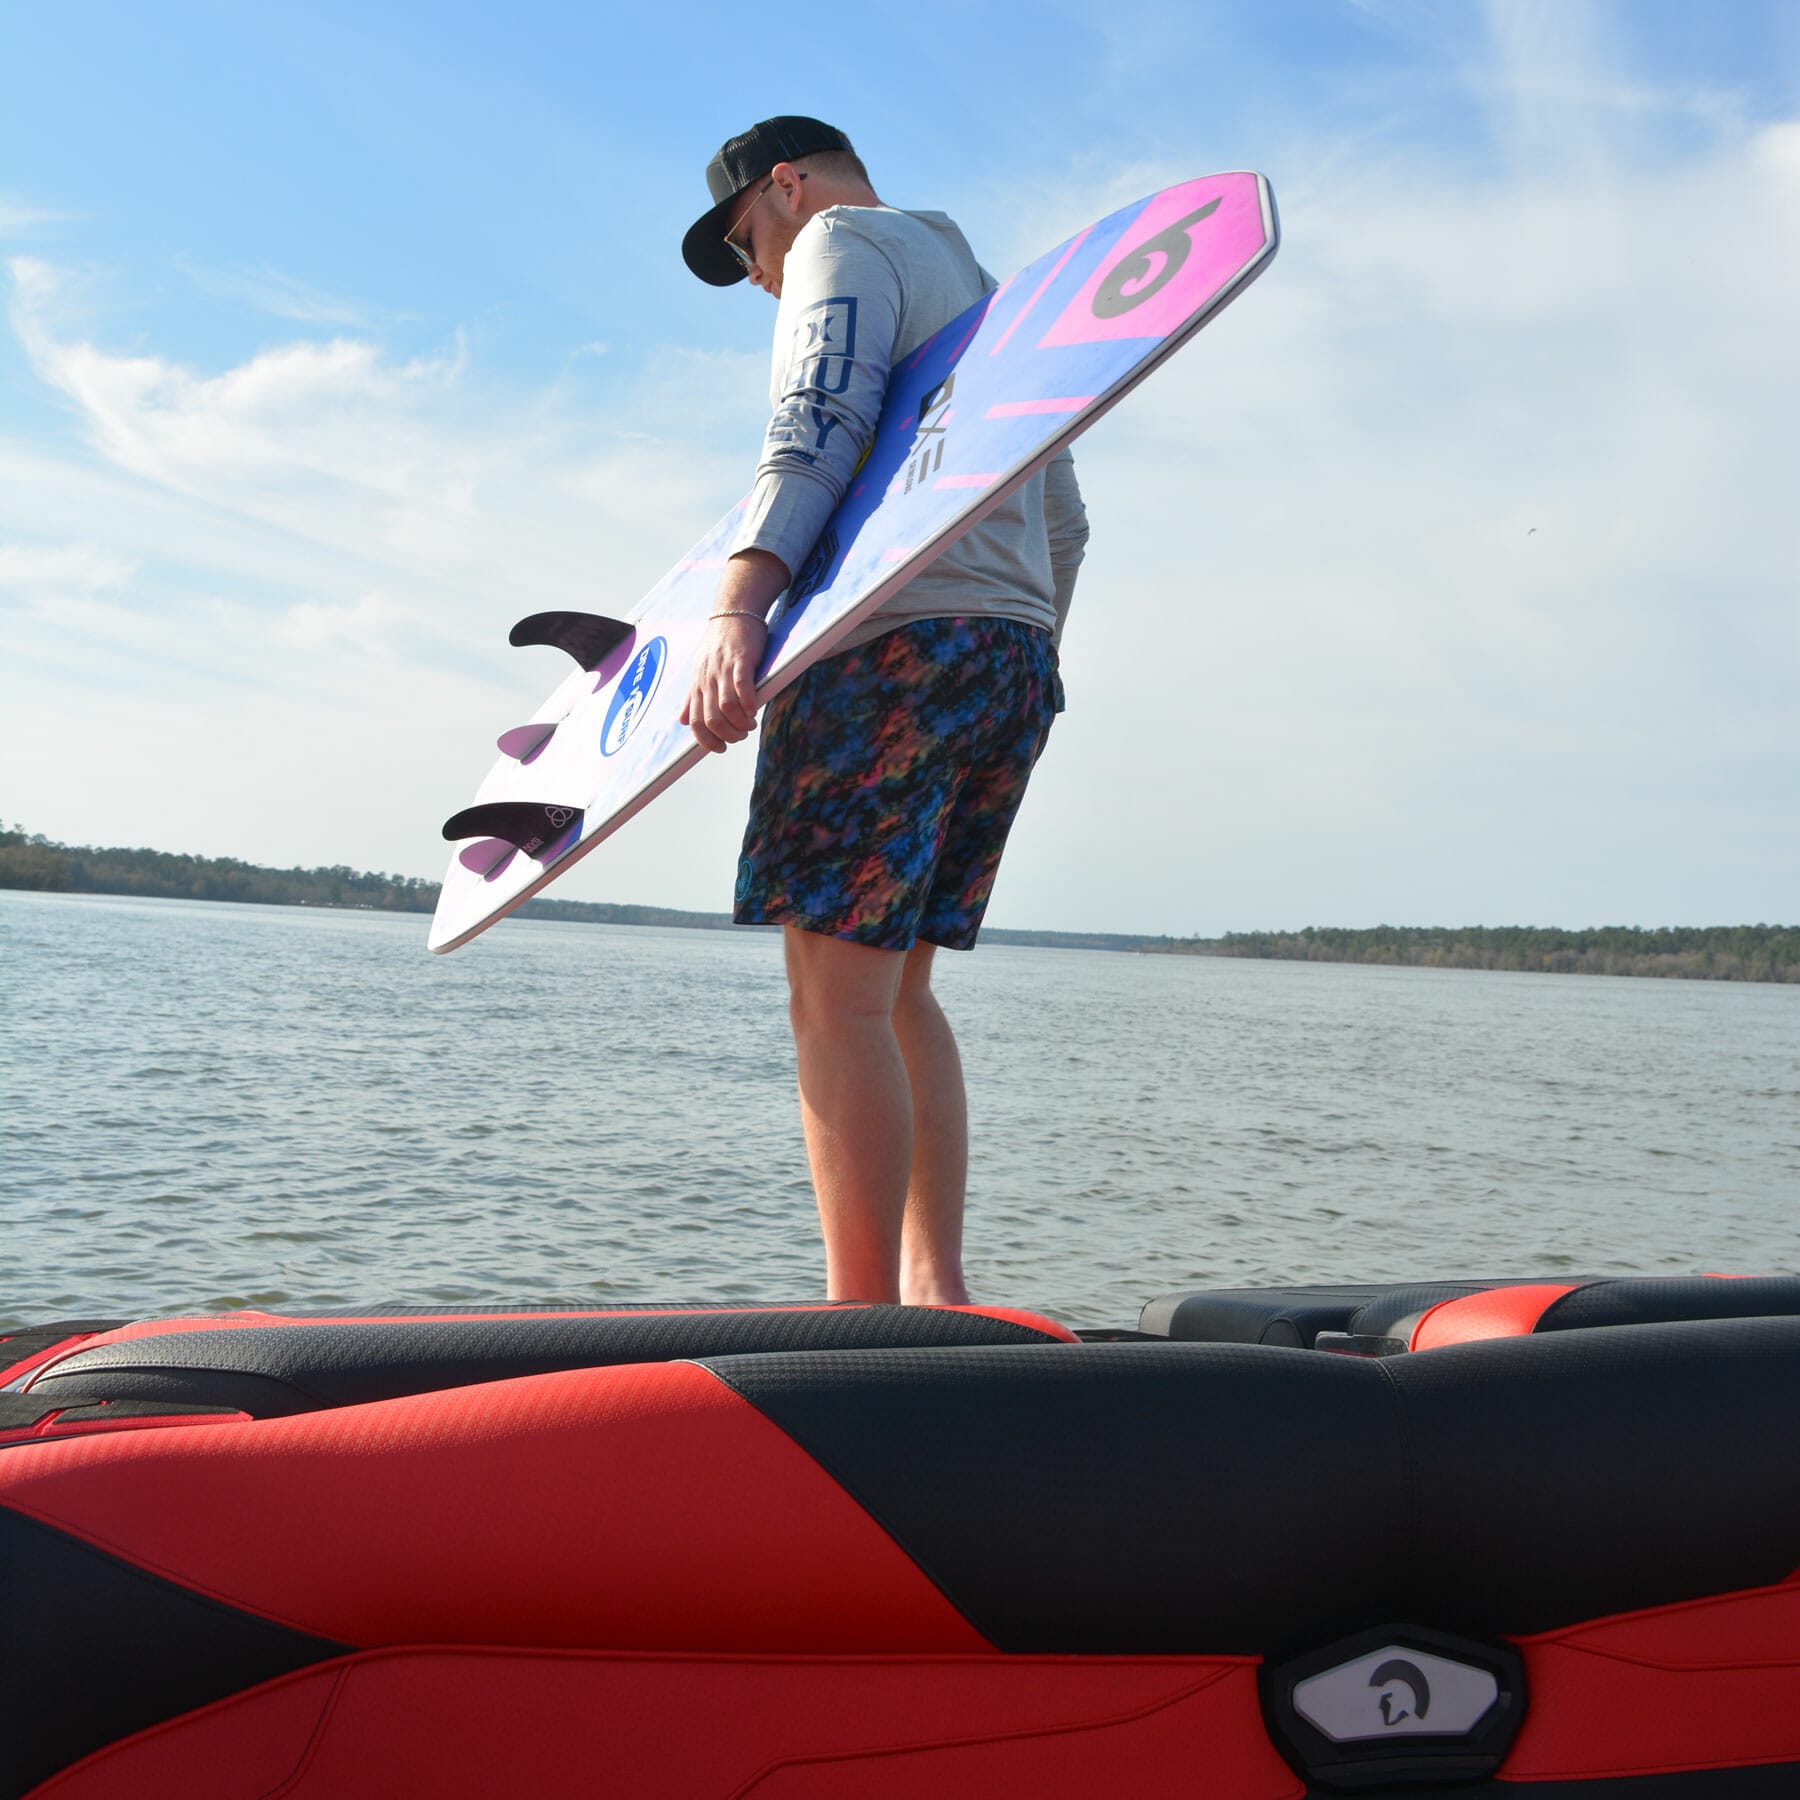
<point>1184,245</point>
<point>1118,294</point>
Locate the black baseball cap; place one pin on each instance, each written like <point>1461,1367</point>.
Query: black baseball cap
<point>741,161</point>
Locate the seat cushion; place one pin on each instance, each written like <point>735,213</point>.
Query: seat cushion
<point>1429,1315</point>
<point>278,1369</point>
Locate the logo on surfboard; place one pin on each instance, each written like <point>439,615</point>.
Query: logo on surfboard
<point>1137,277</point>
<point>636,690</point>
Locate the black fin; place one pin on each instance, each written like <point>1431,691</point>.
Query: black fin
<point>585,636</point>
<point>528,825</point>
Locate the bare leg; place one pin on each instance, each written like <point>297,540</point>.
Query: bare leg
<point>886,1122</point>
<point>855,1106</point>
<point>931,1272</point>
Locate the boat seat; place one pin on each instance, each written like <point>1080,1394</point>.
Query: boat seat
<point>1291,1317</point>
<point>298,1365</point>
<point>884,1530</point>
<point>1384,1319</point>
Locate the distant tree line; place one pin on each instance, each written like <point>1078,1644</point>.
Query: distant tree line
<point>1703,953</point>
<point>606,912</point>
<point>37,862</point>
<point>1686,952</point>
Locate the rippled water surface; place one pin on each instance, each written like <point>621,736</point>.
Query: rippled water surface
<point>210,1104</point>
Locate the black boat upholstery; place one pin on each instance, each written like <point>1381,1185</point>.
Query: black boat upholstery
<point>275,1371</point>
<point>1175,1498</point>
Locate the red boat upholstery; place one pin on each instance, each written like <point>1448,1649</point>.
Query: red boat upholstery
<point>997,1568</point>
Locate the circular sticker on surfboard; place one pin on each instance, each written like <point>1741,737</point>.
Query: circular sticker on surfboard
<point>637,687</point>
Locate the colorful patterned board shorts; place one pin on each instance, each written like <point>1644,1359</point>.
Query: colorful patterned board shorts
<point>887,778</point>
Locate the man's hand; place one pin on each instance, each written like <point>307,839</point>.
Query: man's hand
<point>721,705</point>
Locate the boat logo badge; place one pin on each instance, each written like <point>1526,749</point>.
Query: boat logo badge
<point>1396,1691</point>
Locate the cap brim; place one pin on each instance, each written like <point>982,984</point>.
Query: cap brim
<point>703,249</point>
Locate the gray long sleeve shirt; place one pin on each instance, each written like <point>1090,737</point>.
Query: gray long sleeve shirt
<point>862,288</point>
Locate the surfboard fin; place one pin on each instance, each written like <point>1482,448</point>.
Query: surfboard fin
<point>487,857</point>
<point>585,636</point>
<point>524,742</point>
<point>528,825</point>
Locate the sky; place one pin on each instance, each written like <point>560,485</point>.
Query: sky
<point>1451,576</point>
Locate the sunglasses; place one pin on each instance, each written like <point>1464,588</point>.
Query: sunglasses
<point>736,249</point>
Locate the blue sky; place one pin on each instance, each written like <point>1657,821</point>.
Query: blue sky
<point>1448,578</point>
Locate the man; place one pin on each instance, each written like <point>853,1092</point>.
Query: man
<point>888,776</point>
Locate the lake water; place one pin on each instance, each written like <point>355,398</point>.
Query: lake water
<point>211,1105</point>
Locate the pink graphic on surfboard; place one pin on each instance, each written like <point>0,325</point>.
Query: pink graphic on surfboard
<point>1165,262</point>
<point>973,412</point>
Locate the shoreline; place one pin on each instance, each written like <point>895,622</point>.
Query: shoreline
<point>1746,953</point>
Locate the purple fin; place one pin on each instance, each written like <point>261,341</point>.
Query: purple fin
<point>585,636</point>
<point>529,825</point>
<point>524,742</point>
<point>487,858</point>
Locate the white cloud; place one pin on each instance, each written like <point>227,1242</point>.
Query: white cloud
<point>1776,151</point>
<point>285,296</point>
<point>20,219</point>
<point>309,564</point>
<point>36,572</point>
<point>1449,574</point>
<point>1453,570</point>
<point>292,410</point>
<point>365,626</point>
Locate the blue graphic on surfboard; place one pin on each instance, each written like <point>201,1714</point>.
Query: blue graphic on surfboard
<point>977,409</point>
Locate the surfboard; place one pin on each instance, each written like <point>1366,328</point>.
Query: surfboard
<point>973,412</point>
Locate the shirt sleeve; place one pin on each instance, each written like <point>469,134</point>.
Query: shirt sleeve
<point>1065,523</point>
<point>834,340</point>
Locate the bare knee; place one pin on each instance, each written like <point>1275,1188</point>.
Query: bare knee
<point>835,986</point>
<point>915,999</point>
